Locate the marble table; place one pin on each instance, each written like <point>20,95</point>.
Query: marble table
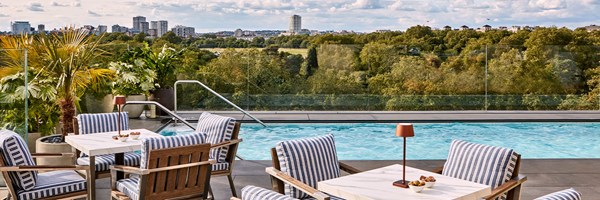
<point>102,143</point>
<point>377,184</point>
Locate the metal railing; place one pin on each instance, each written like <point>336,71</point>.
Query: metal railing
<point>216,94</point>
<point>163,109</point>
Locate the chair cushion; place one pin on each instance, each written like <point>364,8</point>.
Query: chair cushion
<point>104,161</point>
<point>149,144</point>
<point>16,153</point>
<point>568,194</point>
<point>309,160</point>
<point>129,187</point>
<point>479,163</point>
<point>101,122</point>
<point>218,129</point>
<point>251,192</point>
<point>54,183</point>
<point>220,166</point>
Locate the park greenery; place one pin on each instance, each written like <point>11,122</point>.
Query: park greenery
<point>417,69</point>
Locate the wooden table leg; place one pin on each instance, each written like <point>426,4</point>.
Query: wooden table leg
<point>92,179</point>
<point>120,160</point>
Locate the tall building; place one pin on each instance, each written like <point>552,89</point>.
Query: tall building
<point>153,24</point>
<point>163,27</point>
<point>41,28</point>
<point>144,26</point>
<point>295,24</point>
<point>184,31</point>
<point>101,29</point>
<point>20,27</point>
<point>119,29</point>
<point>137,20</point>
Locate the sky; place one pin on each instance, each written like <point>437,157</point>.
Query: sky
<point>357,15</point>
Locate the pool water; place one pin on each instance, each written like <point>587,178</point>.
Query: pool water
<point>377,141</point>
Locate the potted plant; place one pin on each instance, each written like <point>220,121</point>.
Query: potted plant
<point>163,62</point>
<point>133,81</point>
<point>98,98</point>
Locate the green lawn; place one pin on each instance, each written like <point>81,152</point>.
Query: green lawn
<point>302,52</point>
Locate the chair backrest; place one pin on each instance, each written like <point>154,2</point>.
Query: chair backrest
<point>218,129</point>
<point>100,122</point>
<point>232,151</point>
<point>483,164</point>
<point>173,151</point>
<point>15,152</point>
<point>251,192</point>
<point>309,160</point>
<point>568,194</point>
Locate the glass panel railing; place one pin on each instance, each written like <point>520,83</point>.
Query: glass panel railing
<point>15,113</point>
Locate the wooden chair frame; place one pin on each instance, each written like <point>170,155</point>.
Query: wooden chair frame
<point>512,187</point>
<point>278,178</point>
<point>45,168</point>
<point>231,153</point>
<point>156,183</point>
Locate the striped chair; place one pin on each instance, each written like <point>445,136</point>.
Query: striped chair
<point>251,192</point>
<point>171,168</point>
<point>103,122</point>
<point>22,177</point>
<point>317,162</point>
<point>568,194</point>
<point>494,166</point>
<point>222,132</point>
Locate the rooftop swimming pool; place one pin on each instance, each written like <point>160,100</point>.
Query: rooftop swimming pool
<point>377,141</point>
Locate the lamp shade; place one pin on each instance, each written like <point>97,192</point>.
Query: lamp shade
<point>119,100</point>
<point>405,130</point>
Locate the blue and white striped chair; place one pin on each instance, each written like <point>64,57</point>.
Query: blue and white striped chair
<point>495,166</point>
<point>568,194</point>
<point>171,167</point>
<point>318,162</point>
<point>98,123</point>
<point>251,192</point>
<point>222,132</point>
<point>23,180</point>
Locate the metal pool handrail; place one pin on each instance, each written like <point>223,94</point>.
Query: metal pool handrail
<point>216,94</point>
<point>162,108</point>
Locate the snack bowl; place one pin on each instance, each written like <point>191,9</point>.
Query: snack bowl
<point>416,189</point>
<point>429,184</point>
<point>123,138</point>
<point>134,135</point>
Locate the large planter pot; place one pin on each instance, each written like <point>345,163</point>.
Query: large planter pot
<point>134,111</point>
<point>31,139</point>
<point>45,145</point>
<point>104,104</point>
<point>165,97</point>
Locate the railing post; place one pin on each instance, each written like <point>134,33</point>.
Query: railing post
<point>486,78</point>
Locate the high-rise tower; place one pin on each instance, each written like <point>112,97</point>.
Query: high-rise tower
<point>295,24</point>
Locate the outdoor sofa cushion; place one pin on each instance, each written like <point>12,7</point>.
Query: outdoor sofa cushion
<point>16,153</point>
<point>309,160</point>
<point>218,129</point>
<point>54,183</point>
<point>251,192</point>
<point>101,122</point>
<point>568,194</point>
<point>479,163</point>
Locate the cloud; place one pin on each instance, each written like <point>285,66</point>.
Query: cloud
<point>365,4</point>
<point>36,7</point>
<point>2,5</point>
<point>548,4</point>
<point>94,14</point>
<point>76,3</point>
<point>3,15</point>
<point>402,6</point>
<point>54,3</point>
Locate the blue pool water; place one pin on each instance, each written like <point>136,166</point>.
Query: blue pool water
<point>371,141</point>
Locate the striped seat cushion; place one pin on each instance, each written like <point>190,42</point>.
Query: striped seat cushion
<point>101,122</point>
<point>53,184</point>
<point>568,194</point>
<point>129,187</point>
<point>16,153</point>
<point>479,163</point>
<point>220,166</point>
<point>149,144</point>
<point>218,129</point>
<point>251,192</point>
<point>104,161</point>
<point>309,160</point>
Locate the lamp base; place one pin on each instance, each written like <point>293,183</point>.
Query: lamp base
<point>401,183</point>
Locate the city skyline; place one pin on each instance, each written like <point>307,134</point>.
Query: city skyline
<point>357,15</point>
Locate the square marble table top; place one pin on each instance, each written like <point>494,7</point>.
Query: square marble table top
<point>102,143</point>
<point>377,184</point>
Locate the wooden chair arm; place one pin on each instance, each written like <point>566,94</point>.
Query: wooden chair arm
<point>297,184</point>
<point>43,168</point>
<point>509,185</point>
<point>138,171</point>
<point>438,170</point>
<point>36,155</point>
<point>226,143</point>
<point>348,168</point>
<point>234,198</point>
